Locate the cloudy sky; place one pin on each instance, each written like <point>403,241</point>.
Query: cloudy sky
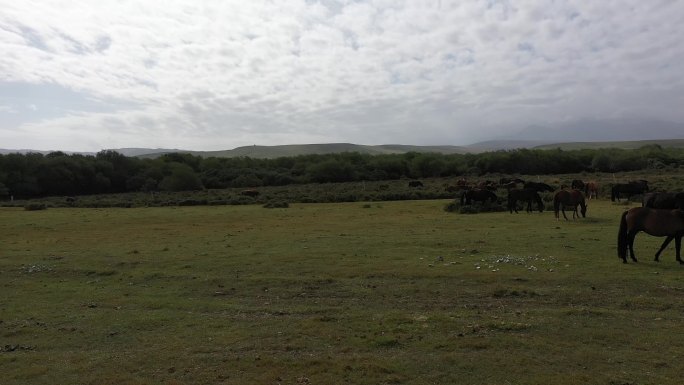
<point>212,75</point>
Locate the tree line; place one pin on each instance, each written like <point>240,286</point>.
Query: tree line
<point>36,175</point>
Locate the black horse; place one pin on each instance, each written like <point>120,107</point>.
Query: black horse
<point>631,188</point>
<point>664,200</point>
<point>538,186</point>
<point>415,183</point>
<point>656,222</point>
<point>527,195</point>
<point>478,195</point>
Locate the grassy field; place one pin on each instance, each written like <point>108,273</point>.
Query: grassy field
<point>376,293</point>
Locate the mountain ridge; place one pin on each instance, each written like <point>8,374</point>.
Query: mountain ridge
<point>269,152</point>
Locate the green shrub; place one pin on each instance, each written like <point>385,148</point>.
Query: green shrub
<point>34,206</point>
<point>452,206</point>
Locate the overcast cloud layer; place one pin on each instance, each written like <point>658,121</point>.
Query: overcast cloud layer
<point>211,75</point>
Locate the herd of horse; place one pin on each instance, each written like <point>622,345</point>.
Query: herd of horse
<point>528,195</point>
<point>661,214</point>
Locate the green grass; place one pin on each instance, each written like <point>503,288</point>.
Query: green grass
<point>359,293</point>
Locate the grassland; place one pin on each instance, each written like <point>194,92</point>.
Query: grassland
<point>358,293</point>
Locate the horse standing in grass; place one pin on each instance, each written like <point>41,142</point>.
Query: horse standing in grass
<point>656,222</point>
<point>479,195</point>
<point>631,188</point>
<point>591,190</point>
<point>527,195</point>
<point>572,198</point>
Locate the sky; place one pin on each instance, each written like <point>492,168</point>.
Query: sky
<point>214,75</point>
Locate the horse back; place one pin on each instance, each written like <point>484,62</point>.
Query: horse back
<point>656,222</point>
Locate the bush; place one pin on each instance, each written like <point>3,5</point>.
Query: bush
<point>34,206</point>
<point>452,206</point>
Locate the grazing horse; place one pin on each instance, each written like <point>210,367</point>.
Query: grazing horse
<point>477,195</point>
<point>591,190</point>
<point>526,195</point>
<point>538,186</point>
<point>631,188</point>
<point>415,183</point>
<point>577,184</point>
<point>664,200</point>
<point>656,222</point>
<point>572,198</point>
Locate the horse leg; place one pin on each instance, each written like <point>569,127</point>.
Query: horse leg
<point>563,210</point>
<point>663,246</point>
<point>630,243</point>
<point>678,247</point>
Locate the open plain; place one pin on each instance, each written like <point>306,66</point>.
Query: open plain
<point>358,293</point>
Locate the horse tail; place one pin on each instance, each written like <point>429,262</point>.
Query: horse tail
<point>463,198</point>
<point>622,237</point>
<point>613,193</point>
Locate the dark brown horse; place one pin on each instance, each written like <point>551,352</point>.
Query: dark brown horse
<point>656,222</point>
<point>527,195</point>
<point>478,195</point>
<point>572,198</point>
<point>664,200</point>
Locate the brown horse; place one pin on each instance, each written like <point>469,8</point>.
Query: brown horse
<point>591,190</point>
<point>656,222</point>
<point>572,198</point>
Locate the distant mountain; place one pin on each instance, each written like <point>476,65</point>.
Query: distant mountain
<point>493,145</point>
<point>628,145</point>
<point>622,133</point>
<point>4,151</point>
<point>144,151</point>
<point>603,131</point>
<point>309,149</point>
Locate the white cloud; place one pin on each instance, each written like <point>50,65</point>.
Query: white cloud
<point>218,74</point>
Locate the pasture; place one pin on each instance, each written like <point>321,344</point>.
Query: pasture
<point>375,293</point>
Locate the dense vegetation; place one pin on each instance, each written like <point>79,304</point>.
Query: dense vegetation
<point>36,175</point>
